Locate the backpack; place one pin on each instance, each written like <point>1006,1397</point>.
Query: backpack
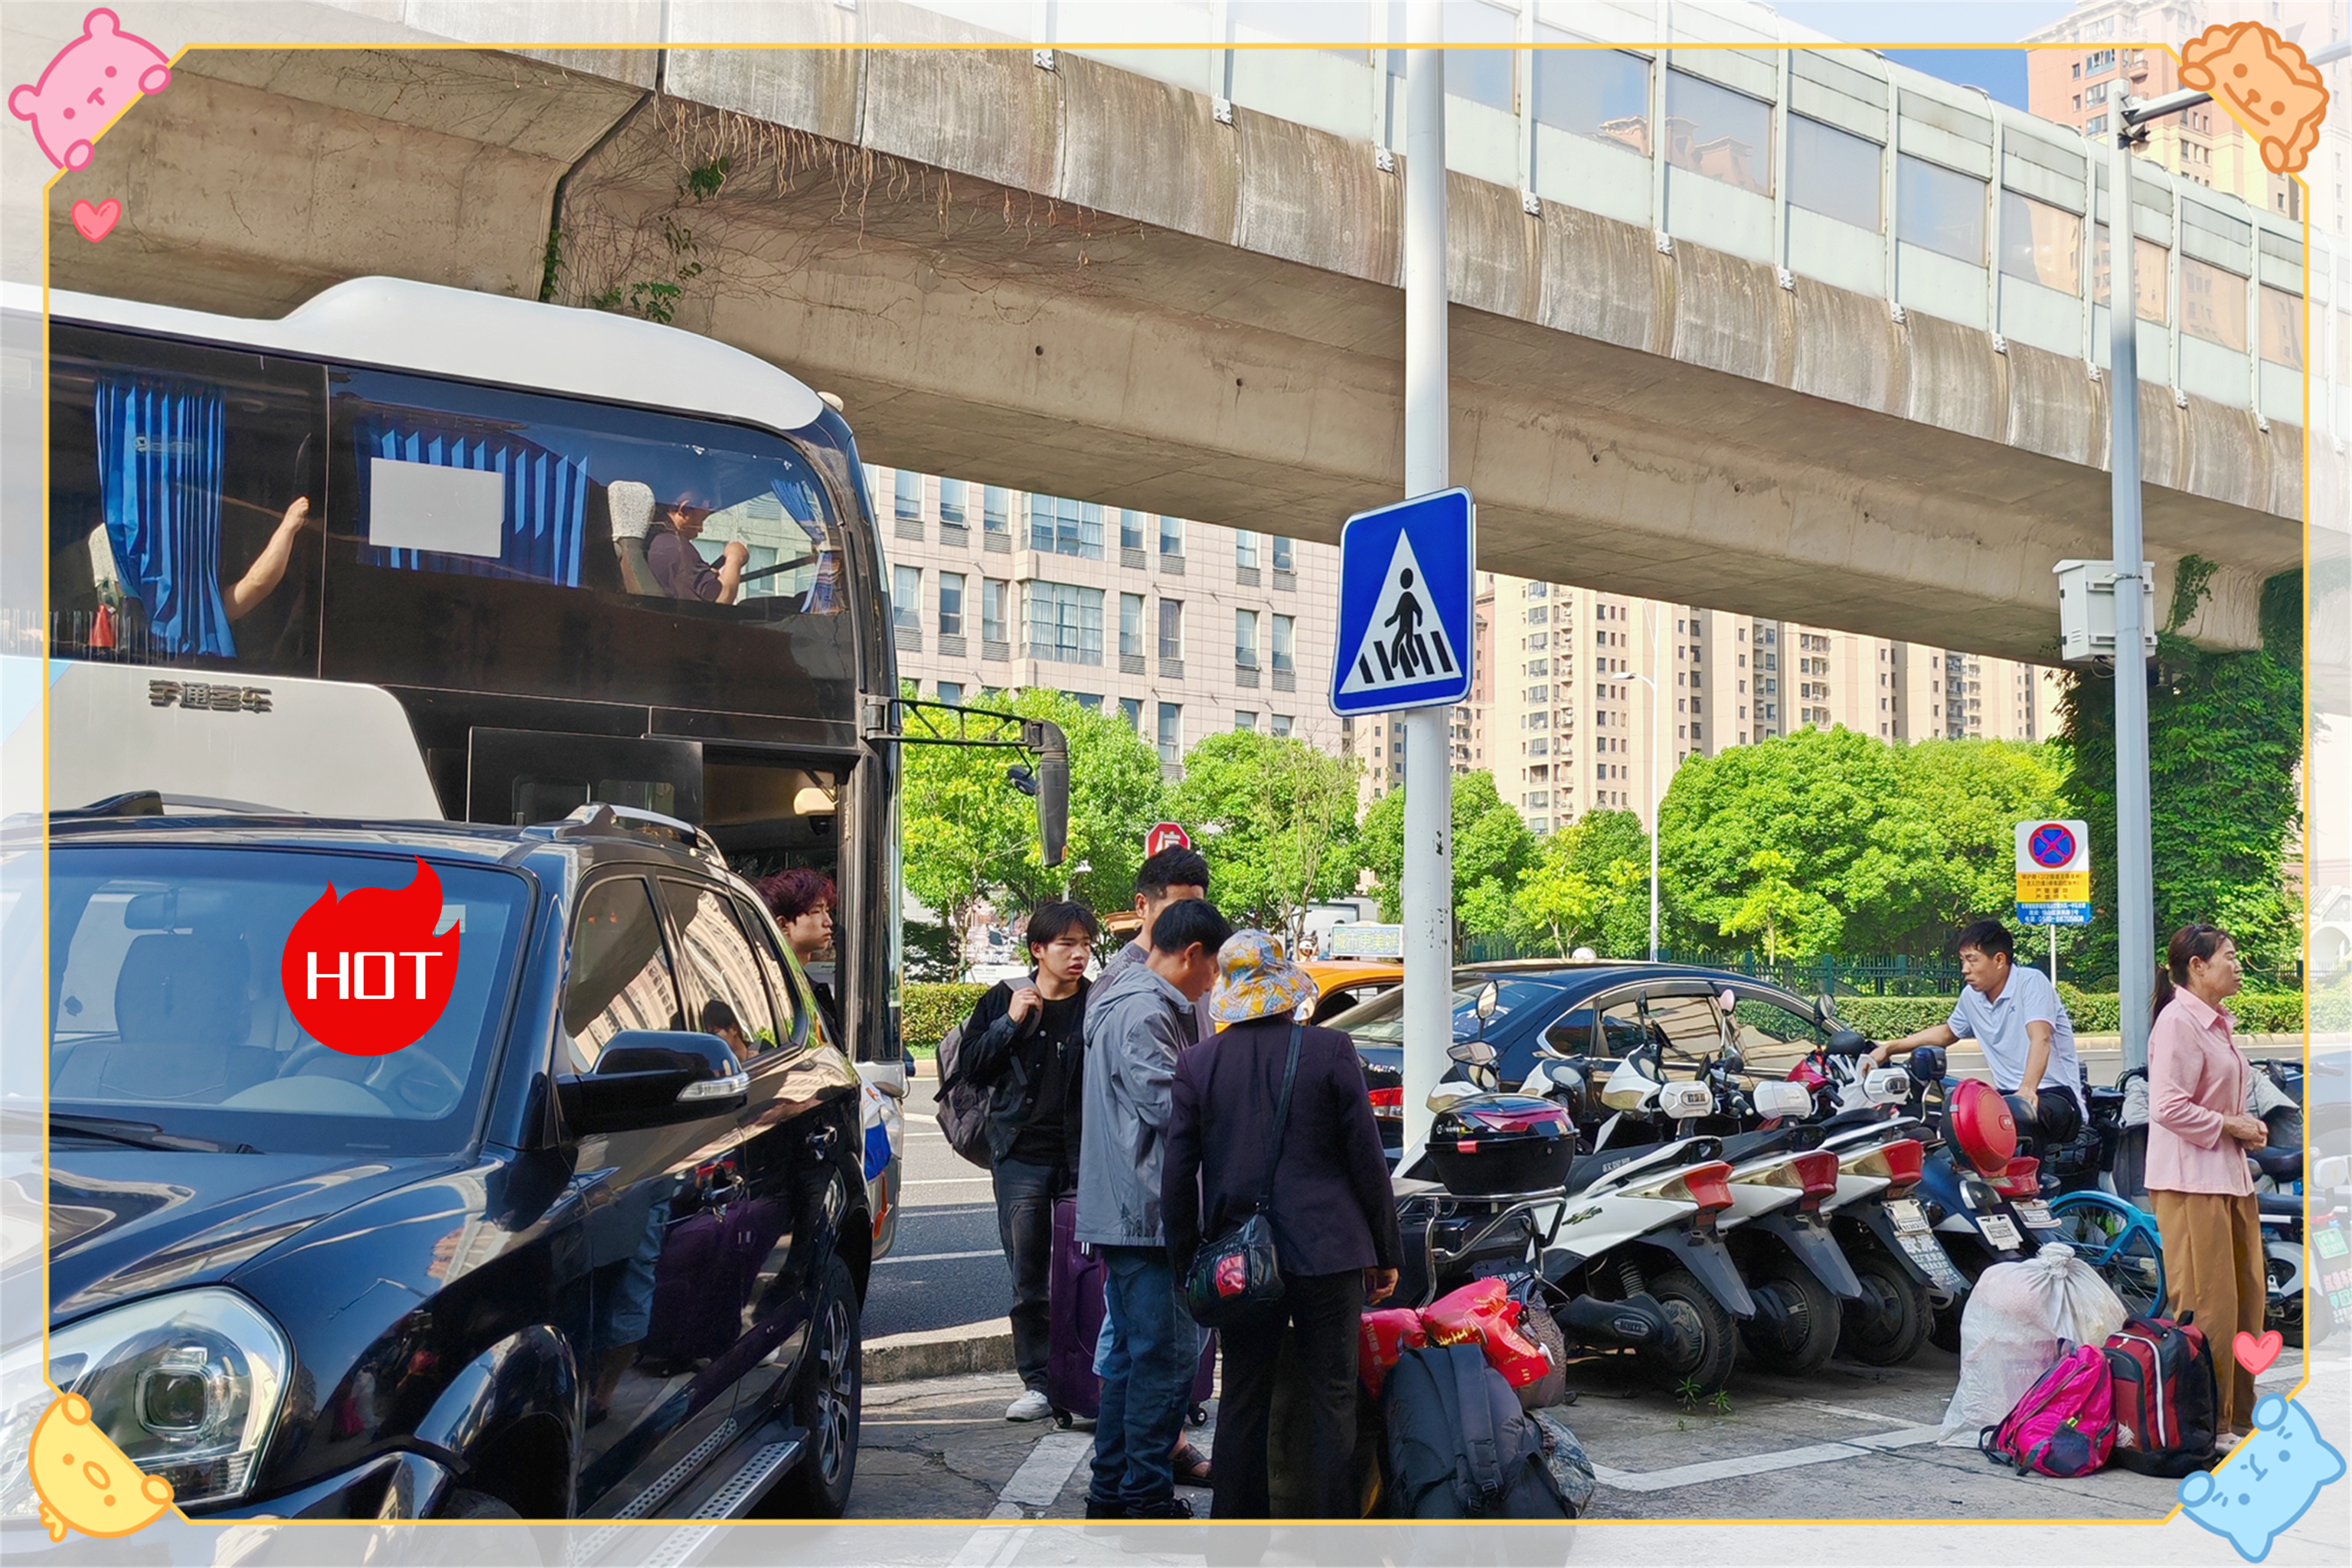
<point>2064,1425</point>
<point>963,1106</point>
<point>1458,1444</point>
<point>2165,1394</point>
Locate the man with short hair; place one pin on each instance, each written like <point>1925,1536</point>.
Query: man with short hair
<point>2013,1013</point>
<point>1025,1045</point>
<point>682,570</point>
<point>1139,1016</point>
<point>1167,877</point>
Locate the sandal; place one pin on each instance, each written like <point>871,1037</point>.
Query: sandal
<point>1191,1466</point>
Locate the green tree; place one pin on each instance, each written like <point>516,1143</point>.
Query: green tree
<point>1558,901</point>
<point>1775,907</point>
<point>1588,884</point>
<point>1491,846</point>
<point>2225,743</point>
<point>970,840</point>
<point>1276,819</point>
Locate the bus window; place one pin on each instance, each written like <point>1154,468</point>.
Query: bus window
<point>185,502</point>
<point>486,482</point>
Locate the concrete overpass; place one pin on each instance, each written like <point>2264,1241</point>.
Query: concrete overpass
<point>1059,272</point>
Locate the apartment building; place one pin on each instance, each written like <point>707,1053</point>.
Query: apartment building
<point>1185,628</point>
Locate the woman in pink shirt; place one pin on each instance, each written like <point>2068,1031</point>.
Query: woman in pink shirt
<point>2198,1137</point>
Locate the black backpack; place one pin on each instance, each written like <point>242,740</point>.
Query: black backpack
<point>1459,1446</point>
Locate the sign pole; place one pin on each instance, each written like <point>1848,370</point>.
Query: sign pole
<point>1427,885</point>
<point>2053,955</point>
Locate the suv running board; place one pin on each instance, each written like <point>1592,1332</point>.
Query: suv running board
<point>733,1500</point>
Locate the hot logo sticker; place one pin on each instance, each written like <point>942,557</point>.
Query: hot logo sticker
<point>366,974</point>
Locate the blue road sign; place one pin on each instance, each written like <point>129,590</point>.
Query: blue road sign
<point>2053,914</point>
<point>1406,592</point>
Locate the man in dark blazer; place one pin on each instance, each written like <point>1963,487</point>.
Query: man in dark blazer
<point>1334,1218</point>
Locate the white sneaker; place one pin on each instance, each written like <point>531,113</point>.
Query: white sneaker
<point>1032,1406</point>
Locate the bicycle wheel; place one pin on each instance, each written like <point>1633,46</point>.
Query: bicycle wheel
<point>2119,1240</point>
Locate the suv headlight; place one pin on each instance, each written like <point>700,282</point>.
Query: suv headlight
<point>188,1386</point>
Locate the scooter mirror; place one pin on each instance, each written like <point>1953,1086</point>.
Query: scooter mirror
<point>1472,1053</point>
<point>1489,995</point>
<point>1732,1061</point>
<point>1628,1088</point>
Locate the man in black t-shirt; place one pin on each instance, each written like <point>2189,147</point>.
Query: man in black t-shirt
<point>1025,1044</point>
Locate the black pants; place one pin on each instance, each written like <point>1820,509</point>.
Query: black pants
<point>1322,1310</point>
<point>1024,1223</point>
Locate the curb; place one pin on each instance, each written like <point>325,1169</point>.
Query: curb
<point>940,1353</point>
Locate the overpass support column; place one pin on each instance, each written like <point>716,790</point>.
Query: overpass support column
<point>1427,887</point>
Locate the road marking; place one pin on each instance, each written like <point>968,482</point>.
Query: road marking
<point>1762,1464</point>
<point>939,1257</point>
<point>1039,1481</point>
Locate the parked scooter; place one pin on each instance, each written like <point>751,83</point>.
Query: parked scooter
<point>1619,1243</point>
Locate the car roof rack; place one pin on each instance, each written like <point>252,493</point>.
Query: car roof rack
<point>153,802</point>
<point>602,817</point>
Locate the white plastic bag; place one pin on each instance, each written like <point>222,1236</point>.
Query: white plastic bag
<point>2012,1330</point>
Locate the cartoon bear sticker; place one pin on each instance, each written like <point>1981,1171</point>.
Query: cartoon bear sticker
<point>93,79</point>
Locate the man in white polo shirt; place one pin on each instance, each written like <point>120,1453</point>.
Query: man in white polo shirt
<point>2013,1013</point>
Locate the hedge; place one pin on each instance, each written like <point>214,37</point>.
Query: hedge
<point>1890,1017</point>
<point>927,1010</point>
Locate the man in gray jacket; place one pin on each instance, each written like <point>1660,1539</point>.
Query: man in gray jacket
<point>1139,1017</point>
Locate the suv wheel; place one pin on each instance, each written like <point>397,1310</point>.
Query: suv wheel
<point>826,1402</point>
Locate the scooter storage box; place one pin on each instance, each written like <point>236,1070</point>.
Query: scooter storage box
<point>1502,1144</point>
<point>1978,1124</point>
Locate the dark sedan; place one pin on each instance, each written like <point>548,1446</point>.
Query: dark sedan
<point>594,1244</point>
<point>1589,1009</point>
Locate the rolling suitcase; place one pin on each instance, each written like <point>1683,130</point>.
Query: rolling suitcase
<point>1074,1287</point>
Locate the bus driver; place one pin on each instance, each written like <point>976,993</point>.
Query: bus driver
<point>679,567</point>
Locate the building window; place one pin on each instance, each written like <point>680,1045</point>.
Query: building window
<point>950,604</point>
<point>993,617</point>
<point>1245,639</point>
<point>906,496</point>
<point>995,510</point>
<point>1939,209</point>
<point>951,692</point>
<point>1131,528</point>
<point>1244,721</point>
<point>952,502</point>
<point>1286,553</point>
<point>1131,709</point>
<point>1834,173</point>
<point>1131,625</point>
<point>1600,94</point>
<point>2040,243</point>
<point>1172,733</point>
<point>1722,134</point>
<point>1245,550</point>
<point>2283,328</point>
<point>1280,724</point>
<point>1171,628</point>
<point>1066,622</point>
<point>1538,615</point>
<point>1059,526</point>
<point>906,598</point>
<point>1172,536</point>
<point>2095,125</point>
<point>1089,701</point>
<point>1284,636</point>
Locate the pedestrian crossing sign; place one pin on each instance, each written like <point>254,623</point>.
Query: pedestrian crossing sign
<point>1405,606</point>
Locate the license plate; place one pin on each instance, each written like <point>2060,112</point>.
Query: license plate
<point>1998,1231</point>
<point>1930,1256</point>
<point>1909,1218</point>
<point>2036,1215</point>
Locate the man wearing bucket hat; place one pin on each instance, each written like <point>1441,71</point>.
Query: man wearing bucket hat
<point>1335,1224</point>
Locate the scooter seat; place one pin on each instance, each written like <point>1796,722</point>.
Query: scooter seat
<point>1794,1138</point>
<point>2278,1164</point>
<point>2279,1205</point>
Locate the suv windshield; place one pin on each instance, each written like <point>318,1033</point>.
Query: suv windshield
<point>167,1010</point>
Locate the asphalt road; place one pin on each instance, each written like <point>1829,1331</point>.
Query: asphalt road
<point>946,1267</point>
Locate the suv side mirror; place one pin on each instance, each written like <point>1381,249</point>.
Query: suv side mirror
<point>654,1078</point>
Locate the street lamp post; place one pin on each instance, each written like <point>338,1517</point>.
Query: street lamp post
<point>1657,625</point>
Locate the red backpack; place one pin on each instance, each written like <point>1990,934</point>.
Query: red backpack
<point>2064,1425</point>
<point>2165,1397</point>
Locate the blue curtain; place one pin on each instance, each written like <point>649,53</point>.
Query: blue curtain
<point>159,468</point>
<point>547,501</point>
<point>803,507</point>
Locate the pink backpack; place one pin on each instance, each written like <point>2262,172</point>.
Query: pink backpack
<point>2064,1425</point>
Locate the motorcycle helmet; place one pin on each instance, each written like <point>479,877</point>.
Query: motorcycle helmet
<point>1978,1125</point>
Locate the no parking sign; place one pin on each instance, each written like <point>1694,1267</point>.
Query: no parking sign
<point>2053,872</point>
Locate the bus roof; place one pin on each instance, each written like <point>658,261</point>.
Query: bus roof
<point>393,323</point>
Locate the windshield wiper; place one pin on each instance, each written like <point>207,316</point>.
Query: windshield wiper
<point>140,1135</point>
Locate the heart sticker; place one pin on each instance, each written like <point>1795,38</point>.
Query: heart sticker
<point>94,223</point>
<point>2256,1354</point>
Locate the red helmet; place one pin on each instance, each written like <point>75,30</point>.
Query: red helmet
<point>1977,1124</point>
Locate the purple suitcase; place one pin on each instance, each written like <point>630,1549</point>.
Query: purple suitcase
<point>1074,1287</point>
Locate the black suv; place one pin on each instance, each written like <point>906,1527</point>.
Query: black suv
<point>569,1254</point>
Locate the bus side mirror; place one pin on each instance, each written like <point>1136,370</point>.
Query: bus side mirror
<point>1053,748</point>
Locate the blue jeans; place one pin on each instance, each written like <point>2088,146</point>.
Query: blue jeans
<point>1147,1375</point>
